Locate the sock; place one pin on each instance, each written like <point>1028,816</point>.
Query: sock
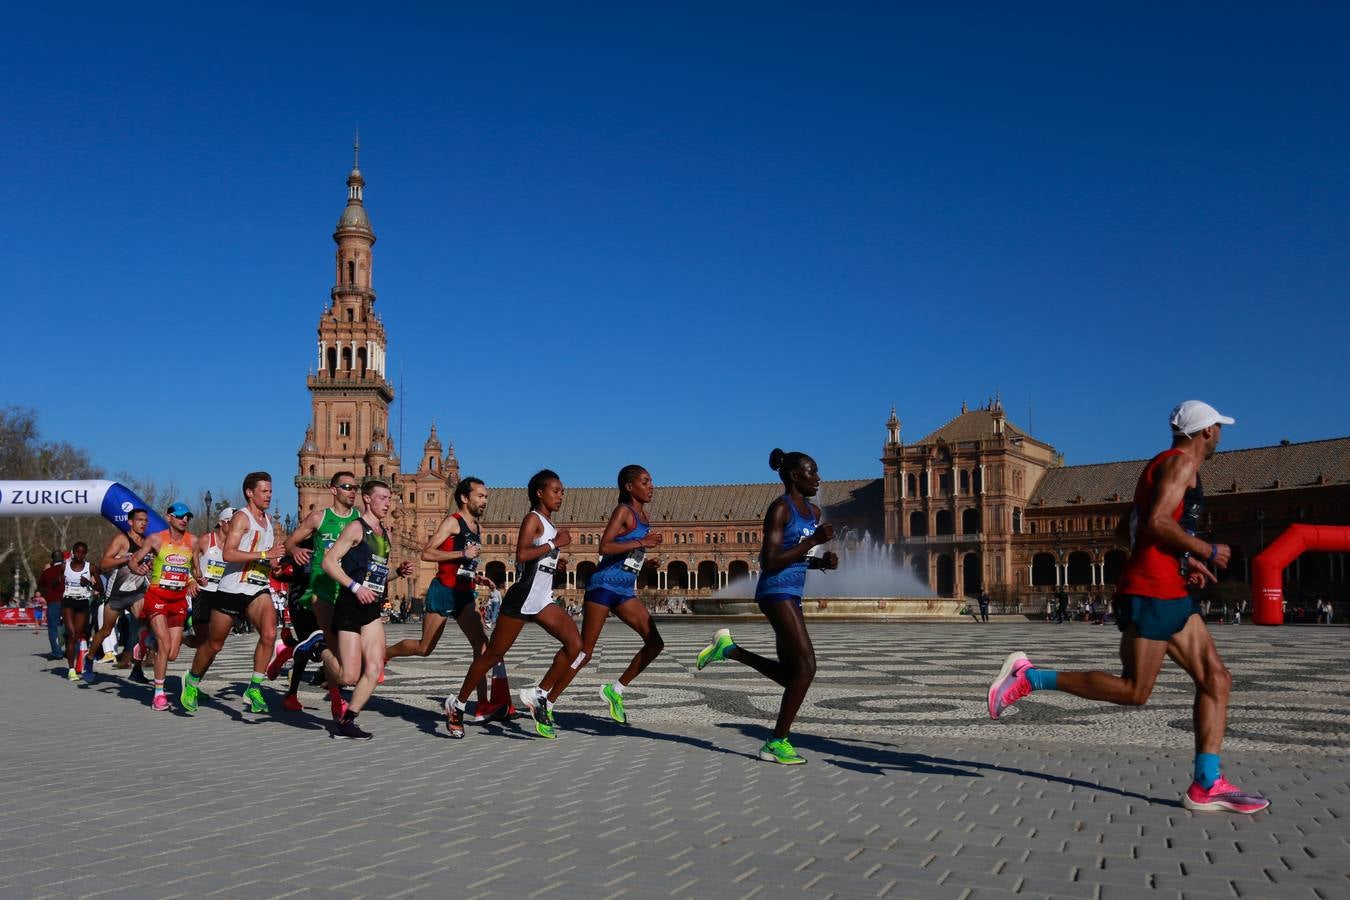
<point>617,687</point>
<point>159,686</point>
<point>1206,769</point>
<point>257,680</point>
<point>458,704</point>
<point>1042,679</point>
<point>193,678</point>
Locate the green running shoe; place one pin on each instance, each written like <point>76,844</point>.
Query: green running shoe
<point>544,724</point>
<point>257,703</point>
<point>188,697</point>
<point>719,648</point>
<point>781,752</point>
<point>615,701</point>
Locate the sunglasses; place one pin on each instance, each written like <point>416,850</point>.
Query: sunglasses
<point>346,487</point>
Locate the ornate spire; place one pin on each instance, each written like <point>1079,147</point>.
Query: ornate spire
<point>433,440</point>
<point>354,216</point>
<point>893,427</point>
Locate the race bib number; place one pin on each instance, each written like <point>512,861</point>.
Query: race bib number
<point>174,574</point>
<point>258,573</point>
<point>549,564</point>
<point>377,573</point>
<point>78,592</point>
<point>215,570</point>
<point>633,561</point>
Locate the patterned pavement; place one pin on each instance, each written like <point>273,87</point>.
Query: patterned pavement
<point>911,791</point>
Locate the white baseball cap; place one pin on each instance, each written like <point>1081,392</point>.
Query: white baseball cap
<point>225,515</point>
<point>1191,416</point>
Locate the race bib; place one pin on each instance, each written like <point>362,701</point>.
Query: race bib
<point>215,570</point>
<point>258,573</point>
<point>633,561</point>
<point>377,573</point>
<point>78,592</point>
<point>549,564</point>
<point>173,575</point>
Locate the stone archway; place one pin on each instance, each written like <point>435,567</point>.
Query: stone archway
<point>946,575</point>
<point>584,572</point>
<point>707,575</point>
<point>1043,570</point>
<point>971,576</point>
<point>1080,568</point>
<point>677,575</point>
<point>496,573</point>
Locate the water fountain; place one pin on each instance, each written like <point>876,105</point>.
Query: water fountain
<point>869,584</point>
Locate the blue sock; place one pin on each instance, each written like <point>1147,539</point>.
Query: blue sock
<point>1206,769</point>
<point>1043,679</point>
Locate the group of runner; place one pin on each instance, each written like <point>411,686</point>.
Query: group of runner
<point>342,557</point>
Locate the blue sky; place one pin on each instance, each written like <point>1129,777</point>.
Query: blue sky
<point>679,237</point>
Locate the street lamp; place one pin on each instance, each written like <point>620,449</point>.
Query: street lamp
<point>207,518</point>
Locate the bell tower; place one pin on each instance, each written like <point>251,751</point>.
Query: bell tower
<point>348,391</point>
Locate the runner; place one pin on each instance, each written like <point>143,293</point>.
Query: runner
<point>1156,615</point>
<point>171,582</point>
<point>613,587</point>
<point>455,548</point>
<point>80,584</point>
<point>242,593</point>
<point>359,563</point>
<point>792,530</point>
<point>52,584</point>
<point>126,591</point>
<point>312,612</point>
<point>210,568</point>
<point>530,599</point>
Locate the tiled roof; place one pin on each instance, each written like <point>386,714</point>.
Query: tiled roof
<point>971,425</point>
<point>710,503</point>
<point>1258,469</point>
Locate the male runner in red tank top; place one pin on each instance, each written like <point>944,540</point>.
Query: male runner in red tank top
<point>1155,613</point>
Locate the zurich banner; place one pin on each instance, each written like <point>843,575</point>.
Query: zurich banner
<point>108,499</point>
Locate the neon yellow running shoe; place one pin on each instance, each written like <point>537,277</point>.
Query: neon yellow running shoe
<point>719,648</point>
<point>257,703</point>
<point>544,724</point>
<point>781,752</point>
<point>187,698</point>
<point>615,701</point>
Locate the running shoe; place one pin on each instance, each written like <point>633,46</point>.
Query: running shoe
<point>719,648</point>
<point>615,701</point>
<point>781,752</point>
<point>312,644</point>
<point>337,705</point>
<point>454,718</point>
<point>138,675</point>
<point>160,703</point>
<point>348,728</point>
<point>87,673</point>
<point>544,724</point>
<point>291,703</point>
<point>188,697</point>
<point>71,674</point>
<point>108,658</point>
<point>530,697</point>
<point>1222,797</point>
<point>279,659</point>
<point>257,703</point>
<point>1011,684</point>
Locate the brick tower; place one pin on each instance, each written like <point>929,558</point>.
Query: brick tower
<point>349,392</point>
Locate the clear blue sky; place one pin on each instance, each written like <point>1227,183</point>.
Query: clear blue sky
<point>678,237</point>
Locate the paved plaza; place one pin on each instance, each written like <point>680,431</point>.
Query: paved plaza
<point>911,791</point>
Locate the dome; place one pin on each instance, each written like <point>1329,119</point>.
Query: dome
<point>354,217</point>
<point>309,446</point>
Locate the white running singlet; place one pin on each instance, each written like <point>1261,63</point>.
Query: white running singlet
<point>251,577</point>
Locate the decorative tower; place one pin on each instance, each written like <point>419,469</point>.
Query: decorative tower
<point>349,393</point>
<point>892,479</point>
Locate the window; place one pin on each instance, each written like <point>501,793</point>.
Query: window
<point>351,272</point>
<point>344,428</point>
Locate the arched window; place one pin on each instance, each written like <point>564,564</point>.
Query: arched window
<point>351,272</point>
<point>965,482</point>
<point>918,524</point>
<point>943,523</point>
<point>970,521</point>
<point>1017,520</point>
<point>913,486</point>
<point>1043,570</point>
<point>1080,568</point>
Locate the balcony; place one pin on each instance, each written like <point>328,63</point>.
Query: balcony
<point>942,539</point>
<point>352,289</point>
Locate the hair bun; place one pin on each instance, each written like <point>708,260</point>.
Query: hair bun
<point>775,458</point>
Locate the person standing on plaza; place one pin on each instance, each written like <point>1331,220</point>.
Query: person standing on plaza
<point>171,581</point>
<point>984,606</point>
<point>79,585</point>
<point>538,545</point>
<point>312,611</point>
<point>243,593</point>
<point>359,563</point>
<point>455,548</point>
<point>126,591</point>
<point>613,588</point>
<point>1157,615</point>
<point>792,530</point>
<point>51,585</point>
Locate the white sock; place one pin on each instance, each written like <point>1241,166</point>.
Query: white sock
<point>459,705</point>
<point>618,688</point>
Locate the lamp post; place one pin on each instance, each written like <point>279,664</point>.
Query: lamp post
<point>207,524</point>
<point>1059,556</point>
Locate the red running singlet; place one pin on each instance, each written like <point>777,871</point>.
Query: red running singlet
<point>1151,571</point>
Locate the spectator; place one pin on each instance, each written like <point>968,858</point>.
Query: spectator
<point>984,606</point>
<point>51,585</point>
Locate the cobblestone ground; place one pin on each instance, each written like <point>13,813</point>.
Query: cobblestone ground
<point>911,791</point>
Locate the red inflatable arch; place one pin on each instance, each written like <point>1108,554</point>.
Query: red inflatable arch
<point>1268,568</point>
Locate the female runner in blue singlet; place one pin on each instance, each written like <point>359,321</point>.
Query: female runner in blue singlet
<point>613,587</point>
<point>792,530</point>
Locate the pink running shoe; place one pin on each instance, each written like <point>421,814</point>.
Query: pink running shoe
<point>1011,684</point>
<point>1222,797</point>
<point>291,703</point>
<point>280,657</point>
<point>160,703</point>
<point>337,705</point>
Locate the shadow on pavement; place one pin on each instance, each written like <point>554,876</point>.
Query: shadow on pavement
<point>873,758</point>
<point>584,723</point>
